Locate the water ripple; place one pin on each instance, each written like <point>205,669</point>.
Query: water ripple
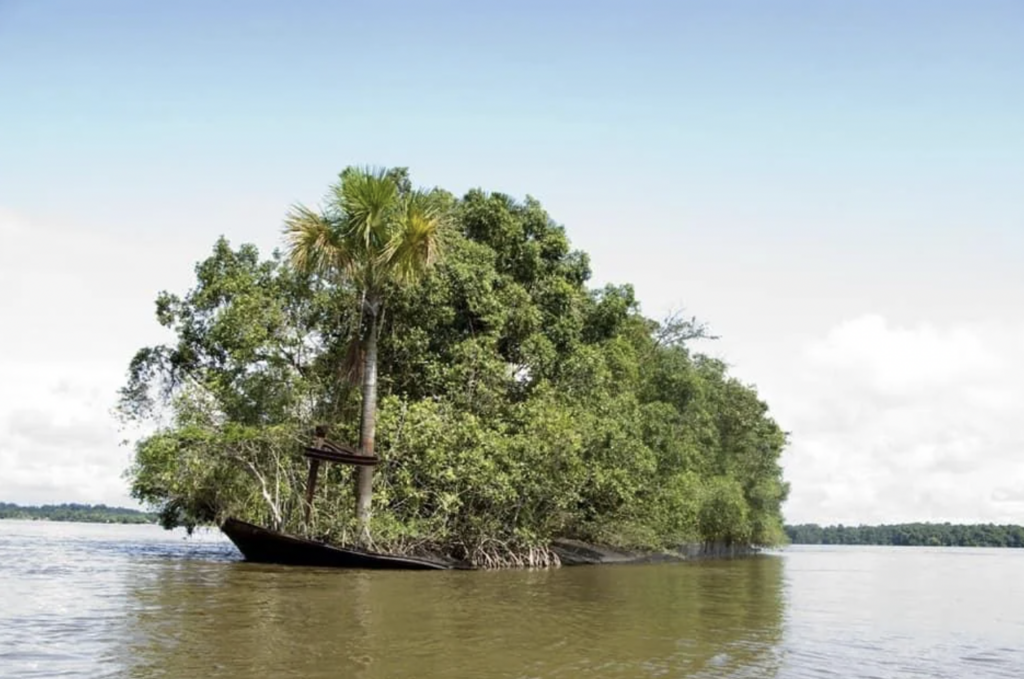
<point>96,601</point>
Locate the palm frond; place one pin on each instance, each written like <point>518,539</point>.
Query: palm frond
<point>416,241</point>
<point>374,229</point>
<point>368,199</point>
<point>313,241</point>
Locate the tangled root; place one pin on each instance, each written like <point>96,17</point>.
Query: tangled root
<point>492,554</point>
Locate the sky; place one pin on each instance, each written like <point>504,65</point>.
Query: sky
<point>833,187</point>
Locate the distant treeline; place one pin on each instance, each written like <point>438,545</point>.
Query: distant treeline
<point>909,534</point>
<point>76,512</point>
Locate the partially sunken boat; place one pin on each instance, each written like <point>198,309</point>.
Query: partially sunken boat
<point>263,545</point>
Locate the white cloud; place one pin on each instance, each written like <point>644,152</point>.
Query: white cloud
<point>897,423</point>
<point>10,223</point>
<point>73,309</point>
<point>58,440</point>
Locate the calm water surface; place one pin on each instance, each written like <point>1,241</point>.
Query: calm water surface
<point>80,600</point>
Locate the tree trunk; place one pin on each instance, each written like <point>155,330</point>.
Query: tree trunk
<point>368,422</point>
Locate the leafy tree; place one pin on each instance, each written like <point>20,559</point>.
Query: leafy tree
<point>376,232</point>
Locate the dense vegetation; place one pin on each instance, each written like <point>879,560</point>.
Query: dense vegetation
<point>76,512</point>
<point>515,404</point>
<point>916,534</point>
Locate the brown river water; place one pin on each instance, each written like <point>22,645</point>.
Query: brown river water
<point>82,600</point>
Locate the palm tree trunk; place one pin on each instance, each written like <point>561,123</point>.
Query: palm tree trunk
<point>368,422</point>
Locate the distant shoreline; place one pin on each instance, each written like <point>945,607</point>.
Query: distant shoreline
<point>910,535</point>
<point>74,512</point>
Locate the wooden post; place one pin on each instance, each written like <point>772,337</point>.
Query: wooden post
<point>319,436</point>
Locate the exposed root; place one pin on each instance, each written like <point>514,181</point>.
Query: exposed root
<point>493,554</point>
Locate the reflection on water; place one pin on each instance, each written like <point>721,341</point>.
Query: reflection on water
<point>81,600</point>
<point>631,621</point>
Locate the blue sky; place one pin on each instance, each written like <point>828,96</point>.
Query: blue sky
<point>806,176</point>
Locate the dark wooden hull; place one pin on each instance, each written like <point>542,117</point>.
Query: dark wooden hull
<point>267,546</point>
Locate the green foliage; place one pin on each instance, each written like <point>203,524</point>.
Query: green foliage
<point>723,512</point>
<point>909,534</point>
<point>255,344</point>
<point>199,472</point>
<point>517,405</point>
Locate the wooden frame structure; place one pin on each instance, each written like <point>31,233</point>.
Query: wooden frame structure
<point>323,450</point>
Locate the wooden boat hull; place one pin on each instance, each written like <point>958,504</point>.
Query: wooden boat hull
<point>263,545</point>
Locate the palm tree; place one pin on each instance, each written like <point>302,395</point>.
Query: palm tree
<point>377,232</point>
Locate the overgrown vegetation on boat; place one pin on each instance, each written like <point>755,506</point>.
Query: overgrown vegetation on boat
<point>516,405</point>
